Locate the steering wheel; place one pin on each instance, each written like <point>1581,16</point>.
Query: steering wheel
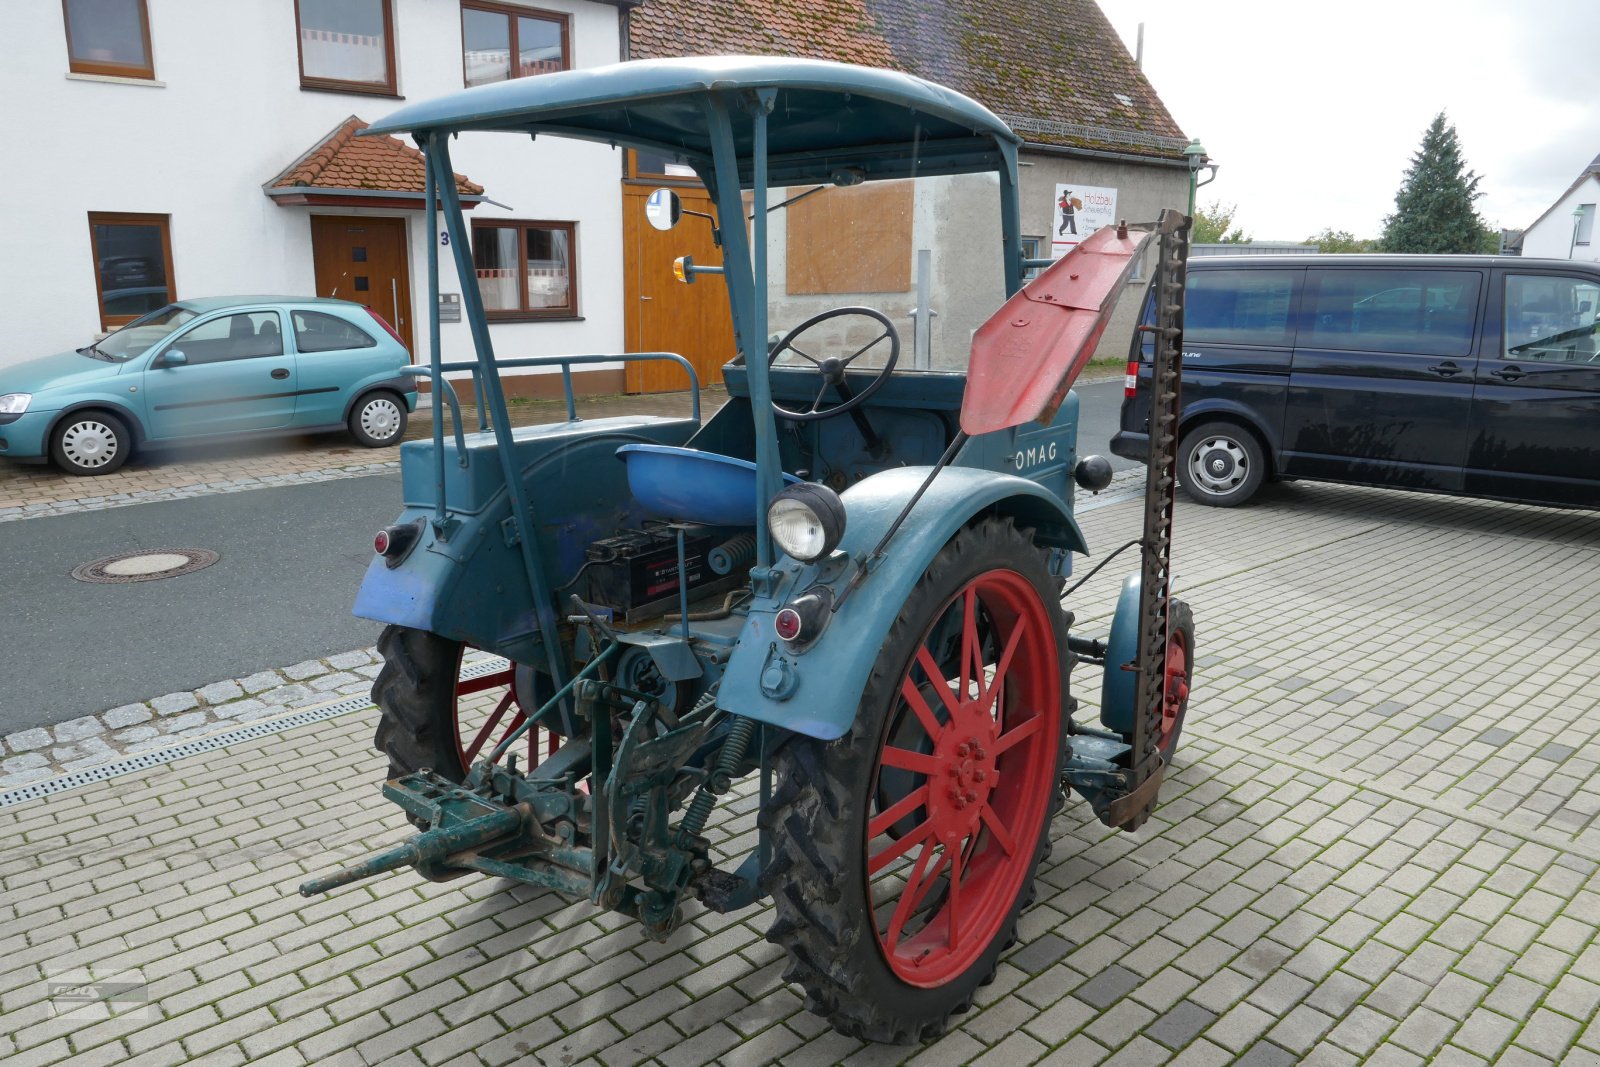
<point>832,368</point>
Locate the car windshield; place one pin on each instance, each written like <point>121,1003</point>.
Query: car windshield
<point>136,338</point>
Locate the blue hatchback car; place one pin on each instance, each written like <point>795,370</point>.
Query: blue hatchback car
<point>214,367</point>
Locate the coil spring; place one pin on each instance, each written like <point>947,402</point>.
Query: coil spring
<point>733,749</point>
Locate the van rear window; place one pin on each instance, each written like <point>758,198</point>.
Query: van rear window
<point>1416,312</point>
<point>1246,307</point>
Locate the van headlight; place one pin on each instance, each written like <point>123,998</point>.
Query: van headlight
<point>14,403</point>
<point>807,521</point>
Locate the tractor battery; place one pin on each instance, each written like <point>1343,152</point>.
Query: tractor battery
<point>635,573</point>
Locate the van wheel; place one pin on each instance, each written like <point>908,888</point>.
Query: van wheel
<point>1220,465</point>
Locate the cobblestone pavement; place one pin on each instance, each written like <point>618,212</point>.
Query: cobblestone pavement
<point>1379,845</point>
<point>30,491</point>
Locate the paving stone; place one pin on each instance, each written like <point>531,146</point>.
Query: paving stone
<point>260,681</point>
<point>27,740</point>
<point>1556,753</point>
<point>1440,723</point>
<point>346,661</point>
<point>172,703</point>
<point>330,682</point>
<point>79,728</point>
<point>126,715</point>
<point>1388,708</point>
<point>1108,987</point>
<point>287,695</point>
<point>1496,736</point>
<point>28,761</point>
<point>1266,1054</point>
<point>1240,1026</point>
<point>179,723</point>
<point>221,692</point>
<point>1181,1025</point>
<point>306,668</point>
<point>245,710</point>
<point>1039,954</point>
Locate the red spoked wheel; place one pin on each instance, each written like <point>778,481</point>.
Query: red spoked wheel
<point>1178,677</point>
<point>979,774</point>
<point>442,710</point>
<point>491,703</point>
<point>929,817</point>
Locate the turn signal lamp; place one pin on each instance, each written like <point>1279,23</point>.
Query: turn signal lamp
<point>683,269</point>
<point>1130,384</point>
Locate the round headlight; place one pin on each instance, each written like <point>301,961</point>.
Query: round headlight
<point>806,520</point>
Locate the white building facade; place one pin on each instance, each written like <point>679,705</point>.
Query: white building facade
<point>142,137</point>
<point>1567,229</point>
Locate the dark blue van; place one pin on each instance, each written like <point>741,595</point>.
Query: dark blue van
<point>1475,375</point>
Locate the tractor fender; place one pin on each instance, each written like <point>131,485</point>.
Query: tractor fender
<point>1117,686</point>
<point>816,691</point>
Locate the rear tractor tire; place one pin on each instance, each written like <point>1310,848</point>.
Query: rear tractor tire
<point>431,717</point>
<point>904,851</point>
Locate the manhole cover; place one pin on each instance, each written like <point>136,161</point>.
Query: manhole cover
<point>145,566</point>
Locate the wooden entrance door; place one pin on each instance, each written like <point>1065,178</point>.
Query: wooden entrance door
<point>364,260</point>
<point>661,313</point>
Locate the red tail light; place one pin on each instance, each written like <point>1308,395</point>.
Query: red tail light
<point>381,321</point>
<point>1130,384</point>
<point>380,543</point>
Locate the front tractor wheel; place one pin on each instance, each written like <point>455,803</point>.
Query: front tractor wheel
<point>437,714</point>
<point>904,851</point>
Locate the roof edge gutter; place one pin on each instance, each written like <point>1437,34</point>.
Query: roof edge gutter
<point>1097,153</point>
<point>277,192</point>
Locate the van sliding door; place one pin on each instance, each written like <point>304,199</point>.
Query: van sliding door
<point>1536,406</point>
<point>1381,386</point>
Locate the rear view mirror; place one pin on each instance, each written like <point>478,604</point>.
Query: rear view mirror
<point>663,209</point>
<point>174,358</point>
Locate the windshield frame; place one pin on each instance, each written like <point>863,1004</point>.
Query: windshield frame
<point>101,349</point>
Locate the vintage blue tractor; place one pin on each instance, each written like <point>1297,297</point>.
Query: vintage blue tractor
<point>845,586</point>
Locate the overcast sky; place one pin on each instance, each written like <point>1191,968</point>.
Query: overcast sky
<point>1314,110</point>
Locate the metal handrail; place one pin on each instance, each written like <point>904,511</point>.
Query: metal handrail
<point>566,363</point>
<point>435,374</point>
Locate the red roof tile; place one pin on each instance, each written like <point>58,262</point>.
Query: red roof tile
<point>1054,69</point>
<point>342,160</point>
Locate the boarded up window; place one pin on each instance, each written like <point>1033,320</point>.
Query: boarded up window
<point>852,240</point>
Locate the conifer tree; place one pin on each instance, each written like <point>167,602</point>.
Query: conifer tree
<point>1433,209</point>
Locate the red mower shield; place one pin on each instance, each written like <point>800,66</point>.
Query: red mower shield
<point>1026,357</point>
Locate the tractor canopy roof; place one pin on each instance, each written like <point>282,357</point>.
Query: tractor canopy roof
<point>826,116</point>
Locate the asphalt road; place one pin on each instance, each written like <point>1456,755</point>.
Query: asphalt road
<point>1099,416</point>
<point>292,558</point>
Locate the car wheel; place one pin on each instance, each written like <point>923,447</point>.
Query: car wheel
<point>1220,464</point>
<point>90,442</point>
<point>378,420</point>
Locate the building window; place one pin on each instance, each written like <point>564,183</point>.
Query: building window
<point>108,37</point>
<point>499,43</point>
<point>346,45</point>
<point>132,265</point>
<point>1585,229</point>
<point>656,165</point>
<point>525,269</point>
<point>1032,248</point>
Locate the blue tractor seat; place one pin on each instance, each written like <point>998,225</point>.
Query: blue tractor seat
<point>688,485</point>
